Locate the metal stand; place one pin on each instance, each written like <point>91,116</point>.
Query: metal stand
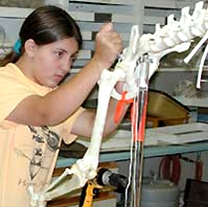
<point>138,135</point>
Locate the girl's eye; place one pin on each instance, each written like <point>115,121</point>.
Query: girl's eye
<point>59,54</point>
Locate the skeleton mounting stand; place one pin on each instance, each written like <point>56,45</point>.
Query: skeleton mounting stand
<point>136,65</point>
<point>138,119</point>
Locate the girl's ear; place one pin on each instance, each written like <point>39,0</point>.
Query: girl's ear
<point>30,47</point>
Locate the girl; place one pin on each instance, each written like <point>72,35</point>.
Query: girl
<point>36,114</point>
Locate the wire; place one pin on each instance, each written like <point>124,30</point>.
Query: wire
<point>198,167</point>
<point>170,168</point>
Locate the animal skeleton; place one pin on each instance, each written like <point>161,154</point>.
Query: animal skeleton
<point>175,36</point>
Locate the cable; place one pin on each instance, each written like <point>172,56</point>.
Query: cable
<point>198,167</point>
<point>170,168</point>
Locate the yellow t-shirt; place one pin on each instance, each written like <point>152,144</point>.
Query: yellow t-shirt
<point>27,154</point>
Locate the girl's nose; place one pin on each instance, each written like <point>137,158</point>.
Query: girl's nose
<point>66,65</point>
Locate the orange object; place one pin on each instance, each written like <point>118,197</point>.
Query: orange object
<point>198,169</point>
<point>120,106</point>
<point>170,168</point>
<point>89,194</point>
<point>140,134</point>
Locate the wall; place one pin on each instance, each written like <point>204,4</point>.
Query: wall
<point>170,72</point>
<point>22,3</point>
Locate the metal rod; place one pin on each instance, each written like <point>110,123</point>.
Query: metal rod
<point>139,121</point>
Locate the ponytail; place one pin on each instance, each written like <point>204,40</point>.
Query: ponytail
<point>13,56</point>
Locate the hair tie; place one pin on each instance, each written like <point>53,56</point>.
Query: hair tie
<point>17,46</point>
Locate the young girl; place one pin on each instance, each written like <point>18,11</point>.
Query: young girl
<point>36,114</point>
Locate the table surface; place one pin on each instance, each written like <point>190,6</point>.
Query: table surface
<point>195,101</point>
<point>162,147</point>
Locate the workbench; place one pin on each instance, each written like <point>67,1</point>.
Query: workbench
<point>193,138</point>
<point>148,152</point>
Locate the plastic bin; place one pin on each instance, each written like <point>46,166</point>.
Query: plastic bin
<point>165,110</point>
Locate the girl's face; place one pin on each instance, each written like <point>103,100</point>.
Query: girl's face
<point>51,62</point>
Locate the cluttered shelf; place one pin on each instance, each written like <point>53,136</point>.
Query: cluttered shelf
<point>148,152</point>
<point>183,138</point>
<point>172,132</point>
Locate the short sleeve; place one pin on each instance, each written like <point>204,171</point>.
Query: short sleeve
<point>66,127</point>
<point>16,87</point>
<point>11,93</point>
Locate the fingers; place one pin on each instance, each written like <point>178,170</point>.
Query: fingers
<point>108,44</point>
<point>107,27</point>
<point>109,32</point>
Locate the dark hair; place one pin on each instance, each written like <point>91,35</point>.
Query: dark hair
<point>45,25</point>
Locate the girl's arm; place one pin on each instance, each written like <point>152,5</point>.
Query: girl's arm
<point>58,105</point>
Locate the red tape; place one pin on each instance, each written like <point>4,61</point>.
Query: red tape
<point>120,106</point>
<point>138,132</point>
